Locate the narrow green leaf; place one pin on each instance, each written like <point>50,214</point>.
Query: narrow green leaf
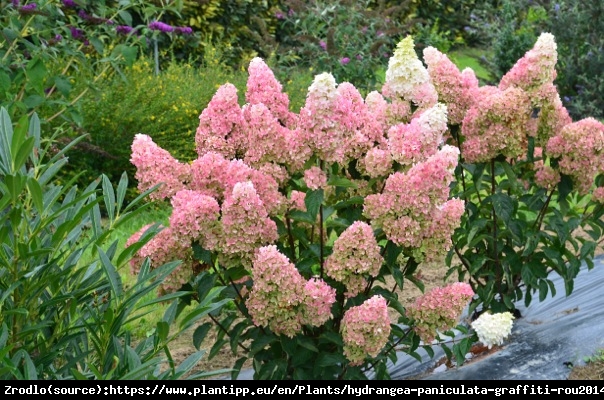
<point>122,187</point>
<point>6,139</point>
<point>23,153</point>
<point>543,289</point>
<point>115,281</point>
<point>339,181</point>
<point>190,362</point>
<point>109,197</point>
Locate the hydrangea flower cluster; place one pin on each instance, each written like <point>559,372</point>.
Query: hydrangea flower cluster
<point>282,299</point>
<point>493,329</point>
<point>356,257</point>
<point>365,329</point>
<point>161,249</point>
<point>580,146</point>
<point>439,309</point>
<point>407,78</point>
<point>455,89</point>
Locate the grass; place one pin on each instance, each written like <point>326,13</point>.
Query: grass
<point>470,58</point>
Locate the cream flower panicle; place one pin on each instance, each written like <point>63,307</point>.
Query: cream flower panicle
<point>493,329</point>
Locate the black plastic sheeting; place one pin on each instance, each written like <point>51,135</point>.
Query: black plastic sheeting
<point>549,338</point>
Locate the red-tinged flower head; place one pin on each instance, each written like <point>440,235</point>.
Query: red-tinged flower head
<point>155,165</point>
<point>220,123</point>
<point>365,330</point>
<point>356,257</point>
<point>438,310</point>
<point>580,148</point>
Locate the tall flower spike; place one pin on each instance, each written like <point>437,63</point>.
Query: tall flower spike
<point>220,122</point>
<point>263,88</point>
<point>536,68</point>
<point>407,78</point>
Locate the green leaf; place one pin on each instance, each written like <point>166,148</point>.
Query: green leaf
<point>63,84</point>
<point>122,187</point>
<point>200,334</point>
<point>190,362</point>
<point>543,289</point>
<point>35,191</point>
<point>313,200</point>
<point>6,139</point>
<point>4,82</point>
<point>115,281</point>
<point>504,206</point>
<point>109,197</point>
<point>301,216</point>
<point>328,360</point>
<point>531,245</point>
<point>23,153</point>
<point>34,101</point>
<point>36,73</point>
<point>129,53</point>
<point>339,181</point>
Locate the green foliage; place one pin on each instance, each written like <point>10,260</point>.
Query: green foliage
<point>350,39</point>
<point>165,107</point>
<point>453,17</point>
<point>431,35</point>
<point>579,30</point>
<point>517,30</point>
<point>514,233</point>
<point>244,29</point>
<point>64,315</point>
<point>44,50</point>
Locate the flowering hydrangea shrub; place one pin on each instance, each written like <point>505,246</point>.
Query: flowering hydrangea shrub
<point>314,220</point>
<point>304,215</point>
<point>530,179</point>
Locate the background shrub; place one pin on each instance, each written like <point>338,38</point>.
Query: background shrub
<point>165,107</point>
<point>579,30</point>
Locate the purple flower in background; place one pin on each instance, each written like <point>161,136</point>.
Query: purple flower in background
<point>359,57</point>
<point>323,45</point>
<point>123,29</point>
<point>69,3</point>
<point>279,15</point>
<point>58,38</point>
<point>183,30</point>
<point>76,33</point>
<point>29,7</point>
<point>82,14</point>
<point>290,12</point>
<point>344,60</point>
<point>160,26</point>
<point>15,3</point>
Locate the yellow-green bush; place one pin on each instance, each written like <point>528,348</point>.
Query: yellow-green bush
<point>166,107</point>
